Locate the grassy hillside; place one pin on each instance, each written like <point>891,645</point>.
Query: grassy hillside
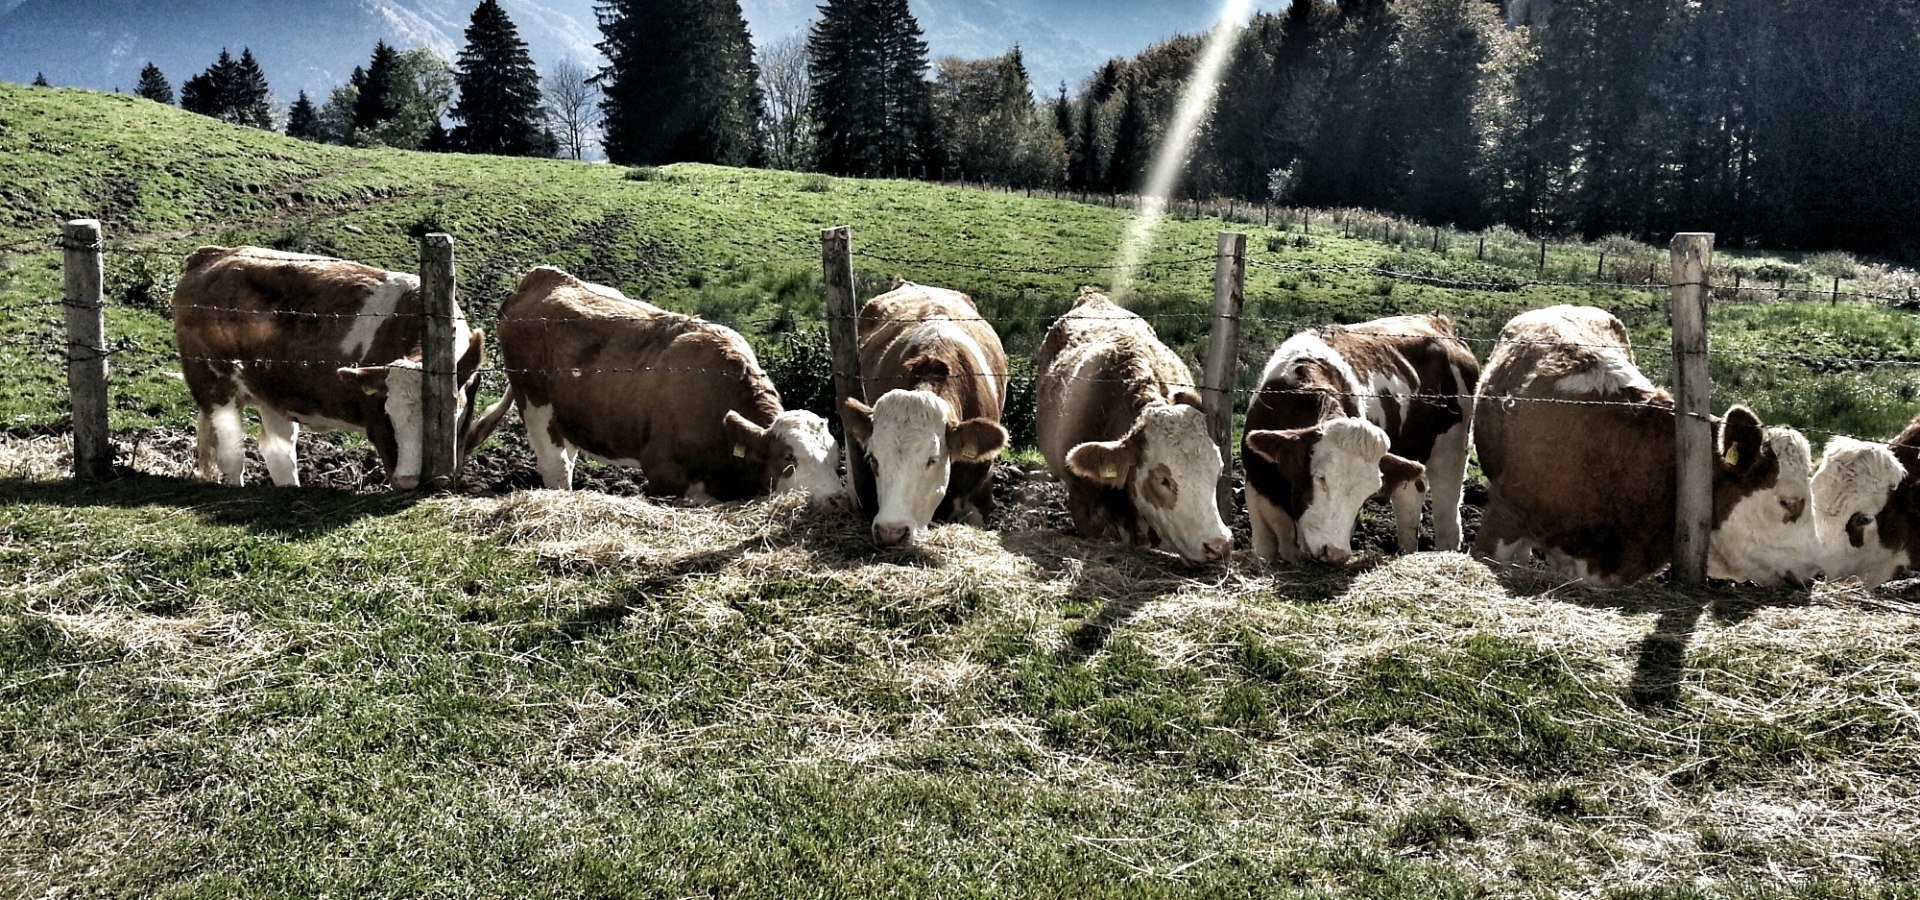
<point>255,692</point>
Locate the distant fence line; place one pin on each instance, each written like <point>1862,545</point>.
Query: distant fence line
<point>87,348</point>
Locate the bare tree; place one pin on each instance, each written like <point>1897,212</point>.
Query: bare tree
<point>787,85</point>
<point>573,106</point>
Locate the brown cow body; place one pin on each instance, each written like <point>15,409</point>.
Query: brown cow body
<point>934,379</point>
<point>323,343</point>
<point>1309,466</point>
<point>682,399</point>
<point>1578,449</point>
<point>1121,426</point>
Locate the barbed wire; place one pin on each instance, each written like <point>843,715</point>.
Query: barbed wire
<point>1040,270</point>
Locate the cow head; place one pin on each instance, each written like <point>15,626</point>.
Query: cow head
<point>396,422</point>
<point>795,452</point>
<point>1762,498</point>
<point>1330,470</point>
<point>913,445</point>
<point>1862,511</point>
<point>1168,465</point>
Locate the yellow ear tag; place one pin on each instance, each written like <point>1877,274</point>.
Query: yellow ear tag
<point>739,451</point>
<point>1733,456</point>
<point>1109,473</point>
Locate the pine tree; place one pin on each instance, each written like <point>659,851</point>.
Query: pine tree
<point>870,103</point>
<point>379,89</point>
<point>249,101</point>
<point>1129,162</point>
<point>681,84</point>
<point>500,103</point>
<point>303,120</point>
<point>154,86</point>
<point>207,93</point>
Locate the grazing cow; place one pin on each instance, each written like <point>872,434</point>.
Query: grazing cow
<point>324,343</point>
<point>935,375</point>
<point>1121,426</point>
<point>682,399</point>
<point>1578,449</point>
<point>1866,504</point>
<point>1345,412</point>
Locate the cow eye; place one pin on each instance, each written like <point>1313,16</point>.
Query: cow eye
<point>931,461</point>
<point>1859,520</point>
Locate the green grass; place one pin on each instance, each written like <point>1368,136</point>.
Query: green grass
<point>255,692</point>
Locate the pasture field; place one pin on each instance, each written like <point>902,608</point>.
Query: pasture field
<point>210,691</point>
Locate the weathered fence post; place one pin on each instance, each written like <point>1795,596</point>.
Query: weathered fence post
<point>1481,251</point>
<point>1266,215</point>
<point>1223,351</point>
<point>440,424</point>
<point>1692,256</point>
<point>87,349</point>
<point>1542,267</point>
<point>1834,298</point>
<point>843,340</point>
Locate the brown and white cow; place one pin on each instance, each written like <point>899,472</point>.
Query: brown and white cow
<point>682,399</point>
<point>1866,504</point>
<point>1578,449</point>
<point>1121,426</point>
<point>325,343</point>
<point>1346,412</point>
<point>936,377</point>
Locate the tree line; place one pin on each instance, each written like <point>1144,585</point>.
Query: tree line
<point>1784,122</point>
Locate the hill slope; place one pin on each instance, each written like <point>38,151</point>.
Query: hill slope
<point>207,691</point>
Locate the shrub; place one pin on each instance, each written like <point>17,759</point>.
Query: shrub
<point>651,173</point>
<point>816,183</point>
<point>801,366</point>
<point>1833,264</point>
<point>143,281</point>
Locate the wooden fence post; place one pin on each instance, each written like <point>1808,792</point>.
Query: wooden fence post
<point>1692,256</point>
<point>440,424</point>
<point>1223,352</point>
<point>85,307</point>
<point>1542,267</point>
<point>843,340</point>
<point>1481,251</point>
<point>1834,298</point>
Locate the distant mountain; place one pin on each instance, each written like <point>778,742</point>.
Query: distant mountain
<point>310,45</point>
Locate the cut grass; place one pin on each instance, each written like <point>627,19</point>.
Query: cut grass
<point>259,692</point>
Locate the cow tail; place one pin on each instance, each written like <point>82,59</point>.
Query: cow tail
<point>483,425</point>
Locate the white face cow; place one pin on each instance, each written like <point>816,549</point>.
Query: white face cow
<point>1333,468</point>
<point>1168,465</point>
<point>398,434</point>
<point>913,446</point>
<point>1851,497</point>
<point>798,452</point>
<point>1769,536</point>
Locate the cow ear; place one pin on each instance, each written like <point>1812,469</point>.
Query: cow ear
<point>371,380</point>
<point>749,440</point>
<point>1398,470</point>
<point>859,420</point>
<point>976,440</point>
<point>1188,397</point>
<point>1741,436</point>
<point>1277,447</point>
<point>928,368</point>
<point>1106,462</point>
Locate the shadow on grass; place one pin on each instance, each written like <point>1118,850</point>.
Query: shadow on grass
<point>1660,658</point>
<point>293,513</point>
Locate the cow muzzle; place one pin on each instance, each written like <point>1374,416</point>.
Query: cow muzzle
<point>892,535</point>
<point>1217,550</point>
<point>406,482</point>
<point>1332,555</point>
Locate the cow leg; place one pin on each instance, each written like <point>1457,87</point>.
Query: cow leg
<point>1447,475</point>
<point>552,455</point>
<point>1498,540</point>
<point>1408,501</point>
<point>221,443</point>
<point>1273,528</point>
<point>278,437</point>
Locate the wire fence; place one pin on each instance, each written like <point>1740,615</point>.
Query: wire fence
<point>1474,298</point>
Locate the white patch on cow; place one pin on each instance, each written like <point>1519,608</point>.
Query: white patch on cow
<point>1446,478</point>
<point>1307,346</point>
<point>404,413</point>
<point>278,437</point>
<point>1855,479</point>
<point>1609,373</point>
<point>1346,471</point>
<point>911,461</point>
<point>1770,537</point>
<point>941,328</point>
<point>379,306</point>
<point>553,458</point>
<point>1176,436</point>
<point>229,442</point>
<point>816,456</point>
